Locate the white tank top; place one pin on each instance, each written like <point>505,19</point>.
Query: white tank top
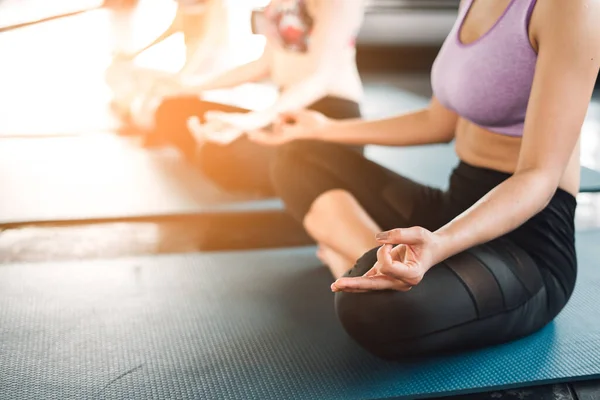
<point>290,24</point>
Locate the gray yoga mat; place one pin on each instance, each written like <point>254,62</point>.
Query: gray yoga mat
<point>245,325</point>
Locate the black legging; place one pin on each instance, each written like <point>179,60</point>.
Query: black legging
<point>242,165</point>
<point>490,294</point>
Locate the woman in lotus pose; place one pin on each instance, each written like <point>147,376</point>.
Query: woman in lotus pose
<point>309,55</point>
<point>491,259</point>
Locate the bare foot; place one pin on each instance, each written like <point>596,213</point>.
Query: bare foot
<point>336,262</point>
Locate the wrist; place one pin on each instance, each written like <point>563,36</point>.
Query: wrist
<point>325,128</point>
<point>445,244</point>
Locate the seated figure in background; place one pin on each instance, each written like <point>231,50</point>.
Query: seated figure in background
<point>310,56</point>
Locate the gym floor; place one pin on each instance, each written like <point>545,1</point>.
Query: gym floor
<point>37,81</point>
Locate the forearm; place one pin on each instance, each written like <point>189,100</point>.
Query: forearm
<point>250,72</point>
<point>297,97</point>
<point>411,129</point>
<point>499,212</point>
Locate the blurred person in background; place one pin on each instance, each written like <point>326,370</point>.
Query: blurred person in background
<point>310,57</point>
<point>135,88</point>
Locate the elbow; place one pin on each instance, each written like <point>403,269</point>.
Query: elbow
<point>445,134</point>
<point>444,128</point>
<point>545,199</point>
<point>447,137</point>
<point>543,183</point>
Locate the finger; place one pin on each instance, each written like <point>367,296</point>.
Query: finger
<point>258,137</point>
<point>390,266</point>
<point>399,252</point>
<point>279,124</point>
<point>353,291</point>
<point>277,129</point>
<point>410,236</point>
<point>371,285</point>
<point>377,282</point>
<point>384,258</point>
<point>289,130</point>
<point>397,284</point>
<point>372,271</point>
<point>335,289</point>
<point>277,121</point>
<point>289,117</point>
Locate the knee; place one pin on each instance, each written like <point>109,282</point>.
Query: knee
<point>387,324</point>
<point>324,208</point>
<point>357,312</point>
<point>366,320</point>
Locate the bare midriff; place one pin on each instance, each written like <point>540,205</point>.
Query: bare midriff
<point>481,148</point>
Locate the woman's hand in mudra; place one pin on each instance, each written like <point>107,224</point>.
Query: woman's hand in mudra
<point>304,124</point>
<point>402,261</point>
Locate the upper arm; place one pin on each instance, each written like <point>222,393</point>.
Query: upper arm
<point>567,66</point>
<point>336,24</point>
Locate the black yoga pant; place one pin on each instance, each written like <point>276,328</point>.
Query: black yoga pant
<point>242,165</point>
<point>490,294</point>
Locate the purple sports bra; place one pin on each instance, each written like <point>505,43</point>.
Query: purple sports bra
<point>488,81</point>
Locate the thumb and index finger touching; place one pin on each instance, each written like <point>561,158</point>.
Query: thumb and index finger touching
<point>408,236</point>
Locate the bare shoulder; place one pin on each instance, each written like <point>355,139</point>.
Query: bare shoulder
<point>556,22</point>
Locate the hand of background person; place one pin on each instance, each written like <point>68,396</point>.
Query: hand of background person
<point>224,127</point>
<point>247,122</point>
<point>402,261</point>
<point>214,131</point>
<point>304,124</point>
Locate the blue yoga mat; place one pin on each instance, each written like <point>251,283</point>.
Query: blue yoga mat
<point>245,325</point>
